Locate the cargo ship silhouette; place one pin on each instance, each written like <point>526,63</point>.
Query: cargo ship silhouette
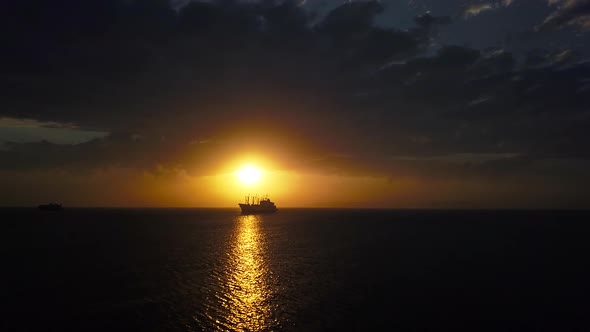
<point>255,204</point>
<point>50,207</point>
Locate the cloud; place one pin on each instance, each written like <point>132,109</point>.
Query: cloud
<point>28,130</point>
<point>185,88</point>
<point>476,9</point>
<point>569,12</point>
<point>428,26</point>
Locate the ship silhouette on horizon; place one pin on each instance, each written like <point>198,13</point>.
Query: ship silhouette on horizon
<point>50,207</point>
<point>255,204</point>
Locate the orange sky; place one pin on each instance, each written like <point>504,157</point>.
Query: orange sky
<point>288,188</point>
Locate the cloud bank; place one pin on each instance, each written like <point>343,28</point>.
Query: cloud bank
<point>183,87</point>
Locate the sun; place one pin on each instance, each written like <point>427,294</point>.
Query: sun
<point>249,174</point>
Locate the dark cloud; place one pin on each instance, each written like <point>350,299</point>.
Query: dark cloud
<point>183,88</point>
<point>477,8</point>
<point>426,20</point>
<point>569,12</point>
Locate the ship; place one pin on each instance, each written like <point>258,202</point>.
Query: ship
<point>50,207</point>
<point>255,204</point>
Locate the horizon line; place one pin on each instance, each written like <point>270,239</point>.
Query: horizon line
<point>308,207</point>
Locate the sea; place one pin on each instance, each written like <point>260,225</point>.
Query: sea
<point>294,270</point>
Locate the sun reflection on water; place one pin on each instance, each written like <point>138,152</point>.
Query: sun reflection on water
<point>248,292</point>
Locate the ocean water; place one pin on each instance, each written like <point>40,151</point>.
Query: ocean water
<point>296,270</point>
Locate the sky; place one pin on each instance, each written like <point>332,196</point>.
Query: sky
<point>380,104</point>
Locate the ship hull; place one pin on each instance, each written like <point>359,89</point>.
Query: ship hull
<point>256,209</point>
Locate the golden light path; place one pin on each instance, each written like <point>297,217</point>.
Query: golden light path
<point>248,291</point>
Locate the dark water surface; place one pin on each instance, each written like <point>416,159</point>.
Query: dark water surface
<point>296,270</point>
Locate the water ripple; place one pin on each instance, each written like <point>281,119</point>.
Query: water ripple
<point>242,300</point>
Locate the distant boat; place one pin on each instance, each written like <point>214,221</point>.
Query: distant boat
<point>254,204</point>
<point>50,207</point>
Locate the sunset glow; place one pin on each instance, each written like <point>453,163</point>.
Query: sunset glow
<point>249,175</point>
